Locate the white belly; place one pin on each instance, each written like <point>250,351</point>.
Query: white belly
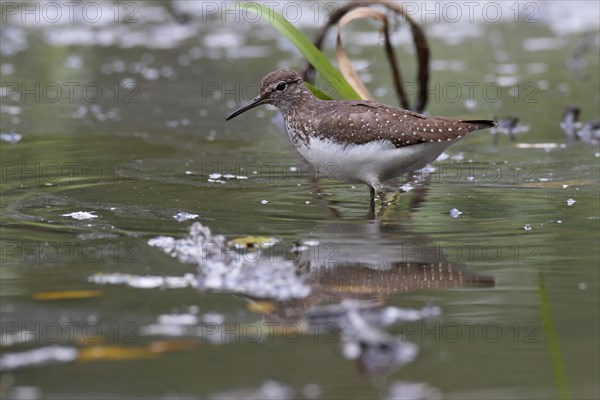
<point>369,163</point>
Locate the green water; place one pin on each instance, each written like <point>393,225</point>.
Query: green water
<point>136,172</point>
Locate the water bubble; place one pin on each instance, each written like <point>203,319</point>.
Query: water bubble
<point>10,137</point>
<point>407,187</point>
<point>7,69</point>
<point>128,83</point>
<point>150,73</point>
<point>118,66</point>
<point>74,62</point>
<point>470,104</point>
<point>81,215</point>
<point>166,71</point>
<point>454,213</point>
<point>184,216</point>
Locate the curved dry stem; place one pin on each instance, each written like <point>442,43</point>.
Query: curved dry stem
<point>343,61</point>
<point>419,40</point>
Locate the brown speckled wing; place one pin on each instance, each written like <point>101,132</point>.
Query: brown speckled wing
<point>362,122</point>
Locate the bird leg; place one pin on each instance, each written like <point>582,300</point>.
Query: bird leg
<point>382,197</point>
<point>372,201</point>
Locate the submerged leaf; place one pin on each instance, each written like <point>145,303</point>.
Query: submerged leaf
<point>114,353</point>
<point>105,353</point>
<point>261,307</point>
<point>67,295</point>
<point>253,242</point>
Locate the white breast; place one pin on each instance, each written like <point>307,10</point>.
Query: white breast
<point>369,163</point>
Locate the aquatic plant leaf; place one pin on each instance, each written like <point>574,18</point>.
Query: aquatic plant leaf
<point>560,376</point>
<point>313,55</point>
<point>316,92</point>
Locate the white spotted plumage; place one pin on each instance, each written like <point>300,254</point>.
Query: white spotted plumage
<point>358,141</point>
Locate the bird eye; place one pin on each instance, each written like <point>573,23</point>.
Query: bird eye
<point>281,86</point>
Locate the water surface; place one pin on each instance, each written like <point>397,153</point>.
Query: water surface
<point>145,149</point>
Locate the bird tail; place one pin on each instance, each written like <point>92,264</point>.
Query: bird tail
<point>481,123</point>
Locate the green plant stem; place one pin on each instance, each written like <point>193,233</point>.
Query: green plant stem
<point>560,376</point>
<point>313,55</point>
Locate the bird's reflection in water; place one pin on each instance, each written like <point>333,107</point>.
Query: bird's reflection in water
<point>338,281</point>
<point>352,270</point>
<point>371,259</point>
